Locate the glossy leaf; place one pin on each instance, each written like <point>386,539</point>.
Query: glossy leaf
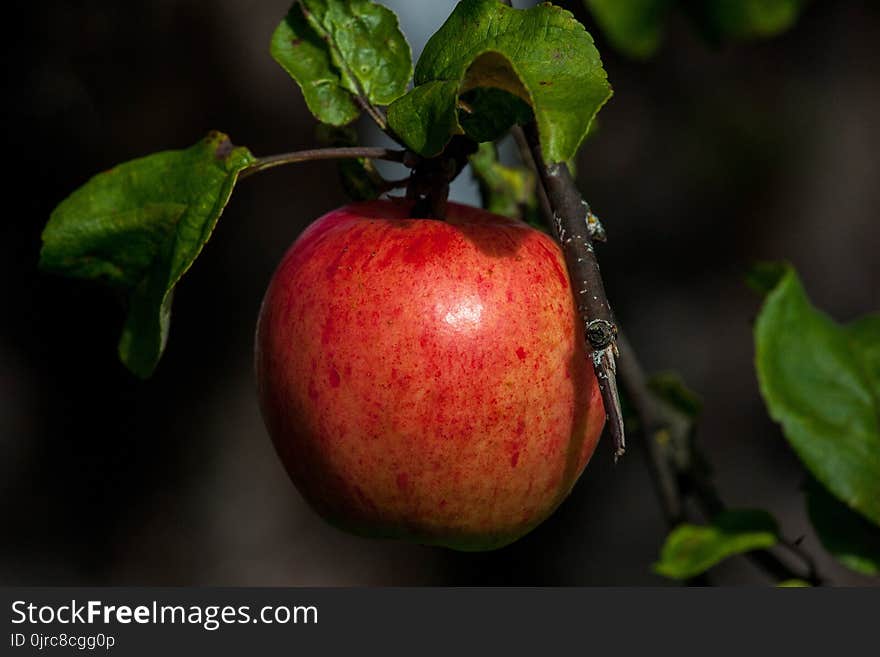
<point>634,27</point>
<point>426,117</point>
<point>542,56</point>
<point>140,226</point>
<point>851,538</point>
<point>306,57</point>
<point>820,382</point>
<point>692,549</point>
<point>338,50</point>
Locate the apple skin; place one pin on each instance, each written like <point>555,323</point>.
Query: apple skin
<point>427,379</point>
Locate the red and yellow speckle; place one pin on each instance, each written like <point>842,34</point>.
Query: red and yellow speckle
<point>427,379</point>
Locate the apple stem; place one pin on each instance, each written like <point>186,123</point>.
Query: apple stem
<point>568,215</point>
<point>374,153</point>
<point>428,183</point>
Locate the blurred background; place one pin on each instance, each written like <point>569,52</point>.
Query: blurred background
<point>707,159</point>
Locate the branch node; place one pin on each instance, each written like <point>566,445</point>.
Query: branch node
<point>595,227</point>
<point>600,332</point>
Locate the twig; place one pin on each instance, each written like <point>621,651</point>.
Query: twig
<point>674,466</point>
<point>526,156</point>
<point>429,180</point>
<point>569,224</point>
<point>677,468</point>
<point>652,427</point>
<point>346,152</point>
<point>374,112</point>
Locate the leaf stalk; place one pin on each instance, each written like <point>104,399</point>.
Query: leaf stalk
<point>345,152</point>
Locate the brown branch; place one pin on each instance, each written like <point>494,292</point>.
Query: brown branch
<point>374,112</point>
<point>678,469</point>
<point>653,427</point>
<point>428,183</point>
<point>525,154</point>
<point>569,224</point>
<point>374,153</point>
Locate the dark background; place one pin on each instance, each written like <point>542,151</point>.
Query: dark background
<point>707,159</point>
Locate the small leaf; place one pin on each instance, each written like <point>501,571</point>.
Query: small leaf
<point>508,191</point>
<point>337,50</point>
<point>542,56</point>
<point>764,276</point>
<point>821,382</point>
<point>848,536</point>
<point>634,27</point>
<point>140,226</point>
<point>306,58</point>
<point>745,19</point>
<point>793,584</point>
<point>426,117</point>
<point>669,387</point>
<point>366,44</point>
<point>692,549</point>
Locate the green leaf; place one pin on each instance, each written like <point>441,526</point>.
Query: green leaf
<point>140,226</point>
<point>821,382</point>
<point>748,19</point>
<point>542,56</point>
<point>764,276</point>
<point>848,536</point>
<point>508,191</point>
<point>793,584</point>
<point>306,58</point>
<point>634,27</point>
<point>669,387</point>
<point>865,336</point>
<point>692,549</point>
<point>487,113</point>
<point>426,117</point>
<point>338,50</point>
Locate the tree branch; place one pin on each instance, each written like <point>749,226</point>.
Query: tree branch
<point>675,465</point>
<point>429,180</point>
<point>678,469</point>
<point>374,153</point>
<point>569,224</point>
<point>652,428</point>
<point>374,112</point>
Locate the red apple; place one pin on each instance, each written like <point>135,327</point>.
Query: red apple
<point>427,379</point>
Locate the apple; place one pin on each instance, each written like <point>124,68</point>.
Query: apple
<point>427,379</point>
